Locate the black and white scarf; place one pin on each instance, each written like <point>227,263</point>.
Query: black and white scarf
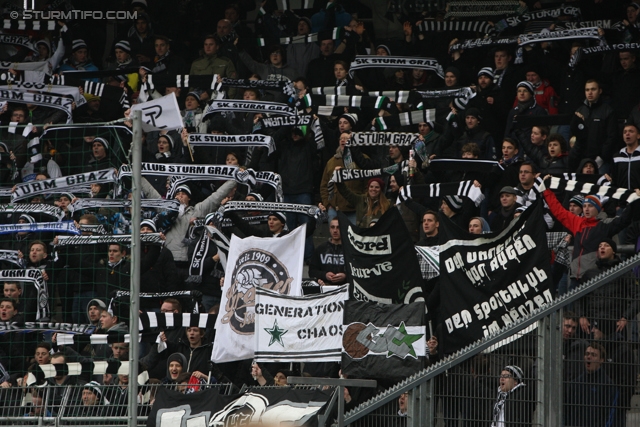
<point>222,172</point>
<point>463,92</point>
<point>210,140</point>
<point>331,90</point>
<point>614,47</point>
<point>404,139</point>
<point>276,122</point>
<point>196,266</point>
<point>42,66</point>
<point>148,238</point>
<point>309,210</point>
<point>15,24</point>
<point>39,208</point>
<point>93,229</point>
<point>264,107</point>
<point>405,119</point>
<point>285,86</point>
<point>483,42</point>
<point>581,33</point>
<point>467,9</point>
<point>543,14</point>
<point>585,178</point>
<point>375,102</point>
<point>343,175</point>
<point>374,61</point>
<point>87,367</point>
<point>60,227</point>
<point>108,92</point>
<point>247,177</point>
<point>13,257</point>
<point>84,74</point>
<point>457,26</point>
<point>51,89</point>
<point>62,184</point>
<point>161,204</point>
<point>617,193</point>
<point>498,407</point>
<point>51,101</point>
<point>35,278</point>
<point>251,220</point>
<point>4,375</point>
<point>195,296</point>
<point>464,189</point>
<point>210,235</point>
<point>333,34</point>
<point>605,24</point>
<point>152,319</point>
<point>399,96</point>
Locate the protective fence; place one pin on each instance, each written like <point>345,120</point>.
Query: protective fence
<point>574,363</point>
<point>70,402</point>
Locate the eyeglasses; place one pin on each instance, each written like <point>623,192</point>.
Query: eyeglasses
<point>507,376</point>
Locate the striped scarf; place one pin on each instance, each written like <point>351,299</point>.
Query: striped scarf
<point>405,119</point>
<point>464,188</point>
<point>617,193</point>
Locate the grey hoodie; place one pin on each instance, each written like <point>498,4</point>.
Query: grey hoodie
<point>98,302</point>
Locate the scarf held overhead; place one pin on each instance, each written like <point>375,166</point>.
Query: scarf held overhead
<point>373,61</point>
<point>464,188</point>
<point>404,139</point>
<point>209,140</point>
<point>250,107</point>
<point>63,183</point>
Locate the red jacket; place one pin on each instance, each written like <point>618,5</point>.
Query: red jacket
<point>587,232</point>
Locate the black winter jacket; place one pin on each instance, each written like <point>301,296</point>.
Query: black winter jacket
<point>327,258</point>
<point>601,127</point>
<point>626,169</point>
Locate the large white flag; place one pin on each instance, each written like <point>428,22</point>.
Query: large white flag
<point>159,114</point>
<point>299,329</point>
<point>273,263</point>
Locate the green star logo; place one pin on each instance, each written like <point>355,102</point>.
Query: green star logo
<point>276,334</point>
<point>406,343</point>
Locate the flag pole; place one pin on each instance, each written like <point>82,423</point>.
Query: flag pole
<point>134,286</point>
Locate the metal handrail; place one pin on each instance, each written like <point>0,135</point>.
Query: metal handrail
<point>471,350</point>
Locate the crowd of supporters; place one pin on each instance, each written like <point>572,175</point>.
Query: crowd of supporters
<point>505,121</point>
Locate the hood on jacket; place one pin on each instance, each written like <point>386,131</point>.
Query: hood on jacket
<point>584,162</point>
<point>97,302</point>
<point>47,44</point>
<point>177,357</point>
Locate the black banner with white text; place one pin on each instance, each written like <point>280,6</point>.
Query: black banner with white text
<point>493,280</point>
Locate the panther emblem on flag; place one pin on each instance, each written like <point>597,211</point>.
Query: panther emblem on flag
<point>254,268</point>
